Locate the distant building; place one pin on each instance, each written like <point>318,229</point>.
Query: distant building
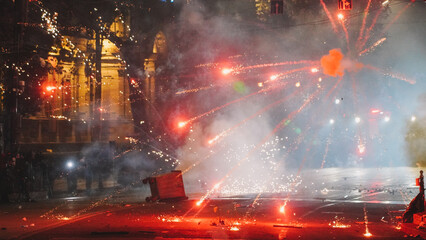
<point>65,120</point>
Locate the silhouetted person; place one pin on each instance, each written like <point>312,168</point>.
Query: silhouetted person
<point>21,170</point>
<point>88,174</point>
<point>72,178</point>
<point>417,204</point>
<point>50,176</point>
<point>4,180</point>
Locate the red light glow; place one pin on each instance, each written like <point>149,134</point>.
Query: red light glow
<point>282,208</point>
<point>361,148</point>
<point>199,202</point>
<point>182,124</point>
<point>226,71</point>
<point>50,88</point>
<point>234,228</point>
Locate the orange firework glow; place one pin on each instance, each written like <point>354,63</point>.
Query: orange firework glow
<point>331,63</point>
<point>50,88</point>
<point>361,148</point>
<point>199,202</point>
<point>282,209</point>
<point>339,225</point>
<point>216,186</point>
<point>340,16</point>
<point>368,234</point>
<point>234,228</point>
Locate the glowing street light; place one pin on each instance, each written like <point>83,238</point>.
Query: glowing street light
<point>340,16</point>
<point>337,101</point>
<point>413,118</point>
<point>70,164</point>
<point>357,119</point>
<point>332,121</point>
<point>387,119</point>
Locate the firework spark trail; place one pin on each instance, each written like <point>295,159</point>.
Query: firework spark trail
<point>392,74</point>
<point>292,186</point>
<point>282,75</point>
<point>299,139</point>
<point>329,16</point>
<point>334,87</point>
<point>367,50</point>
<point>227,104</point>
<point>346,34</point>
<point>361,32</point>
<point>279,126</point>
<point>326,148</point>
<point>197,162</point>
<point>397,16</point>
<point>194,90</point>
<point>278,64</point>
<point>253,204</point>
<point>367,233</point>
<point>405,197</point>
<point>274,104</point>
<point>367,34</point>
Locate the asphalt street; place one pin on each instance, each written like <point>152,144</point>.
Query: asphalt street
<point>356,209</point>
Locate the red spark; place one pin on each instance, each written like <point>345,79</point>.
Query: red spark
<point>367,34</point>
<point>182,124</point>
<point>226,71</point>
<point>273,77</point>
<point>234,228</point>
<point>363,22</point>
<point>50,88</point>
<point>282,209</point>
<point>329,16</point>
<point>361,149</point>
